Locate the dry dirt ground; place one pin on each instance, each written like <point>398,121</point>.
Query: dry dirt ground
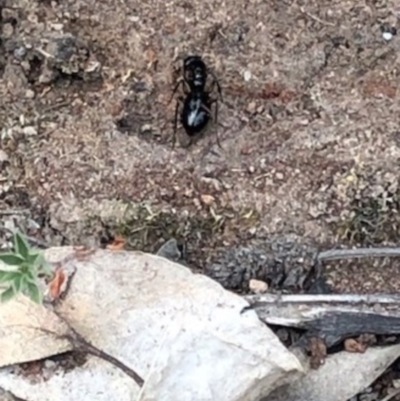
<point>308,126</point>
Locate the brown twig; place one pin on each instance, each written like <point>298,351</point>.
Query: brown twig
<point>315,18</point>
<point>391,395</point>
<point>80,344</point>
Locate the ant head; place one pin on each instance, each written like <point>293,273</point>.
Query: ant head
<point>191,62</point>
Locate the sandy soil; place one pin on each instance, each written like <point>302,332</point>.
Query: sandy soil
<point>308,127</point>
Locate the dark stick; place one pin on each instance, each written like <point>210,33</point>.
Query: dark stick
<point>80,344</point>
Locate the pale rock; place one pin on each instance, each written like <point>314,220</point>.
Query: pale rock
<point>181,332</point>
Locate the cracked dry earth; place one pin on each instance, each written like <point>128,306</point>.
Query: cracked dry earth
<point>309,119</point>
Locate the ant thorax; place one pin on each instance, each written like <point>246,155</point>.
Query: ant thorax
<point>196,78</point>
<point>199,80</point>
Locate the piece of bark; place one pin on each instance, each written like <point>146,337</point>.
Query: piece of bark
<point>330,317</point>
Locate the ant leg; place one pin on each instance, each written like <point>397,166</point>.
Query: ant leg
<point>216,120</point>
<point>189,143</point>
<point>174,91</point>
<point>175,124</point>
<point>216,123</point>
<point>215,81</point>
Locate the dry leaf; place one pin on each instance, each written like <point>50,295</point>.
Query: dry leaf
<point>367,339</point>
<point>118,243</point>
<point>317,348</point>
<point>56,283</point>
<point>33,368</point>
<point>352,345</point>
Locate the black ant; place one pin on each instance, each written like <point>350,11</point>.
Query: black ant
<point>196,111</point>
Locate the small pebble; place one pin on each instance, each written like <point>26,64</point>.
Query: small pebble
<point>20,52</point>
<point>9,224</point>
<point>49,364</point>
<point>29,94</point>
<point>387,36</point>
<point>247,75</point>
<point>29,131</point>
<point>252,230</point>
<point>207,199</point>
<point>145,129</point>
<point>57,27</point>
<point>3,156</point>
<point>251,108</point>
<point>8,30</point>
<point>258,286</point>
<point>170,250</point>
<point>282,334</point>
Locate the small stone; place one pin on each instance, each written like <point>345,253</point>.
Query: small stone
<point>252,230</point>
<point>197,203</point>
<point>29,94</point>
<point>207,199</point>
<point>20,52</point>
<point>282,334</point>
<point>3,156</point>
<point>247,75</point>
<point>49,364</point>
<point>279,176</point>
<point>252,169</point>
<point>30,131</point>
<point>145,129</point>
<point>57,27</point>
<point>26,66</point>
<point>251,108</point>
<point>387,36</point>
<point>170,250</point>
<point>8,31</point>
<point>258,286</point>
<point>9,224</point>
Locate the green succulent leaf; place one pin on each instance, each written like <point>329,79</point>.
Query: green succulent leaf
<point>11,259</point>
<point>33,257</point>
<point>7,294</point>
<point>18,282</point>
<point>46,268</point>
<point>6,275</point>
<point>21,245</point>
<point>29,277</point>
<point>34,293</point>
<point>29,263</point>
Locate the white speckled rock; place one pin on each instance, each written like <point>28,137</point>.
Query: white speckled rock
<point>182,332</point>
